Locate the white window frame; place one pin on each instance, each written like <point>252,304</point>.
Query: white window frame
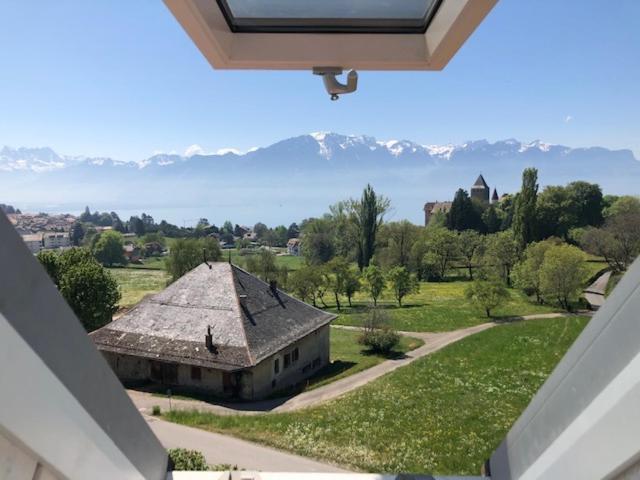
<point>452,24</point>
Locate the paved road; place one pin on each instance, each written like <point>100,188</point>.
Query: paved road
<point>221,449</point>
<point>594,293</point>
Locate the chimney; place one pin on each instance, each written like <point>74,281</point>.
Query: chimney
<point>208,339</point>
<point>273,285</point>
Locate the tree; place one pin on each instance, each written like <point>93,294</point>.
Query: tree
<point>280,236</point>
<point>49,260</point>
<point>491,220</point>
<point>625,229</point>
<point>374,282</point>
<point>187,253</point>
<point>305,283</point>
<point>587,202</point>
<point>293,231</point>
<point>470,247</point>
<point>441,249</point>
<point>463,215</point>
<point>337,270</point>
<point>108,250</point>
<point>351,284</point>
<point>263,265</point>
<point>488,294</point>
<point>76,233</point>
<point>524,212</point>
<point>136,226</point>
<point>527,272</point>
<point>625,204</point>
<point>368,214</point>
<point>318,241</point>
<point>402,282</point>
<point>602,243</point>
<point>91,292</point>
<point>501,255</point>
<point>260,229</point>
<point>562,274</point>
<point>395,244</point>
<point>87,287</point>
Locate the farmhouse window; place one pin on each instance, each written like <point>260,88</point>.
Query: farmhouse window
<point>287,360</point>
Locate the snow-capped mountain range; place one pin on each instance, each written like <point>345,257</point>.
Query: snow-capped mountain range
<point>330,147</point>
<point>297,177</point>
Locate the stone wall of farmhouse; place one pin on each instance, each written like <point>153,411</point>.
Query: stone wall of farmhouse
<point>313,354</point>
<point>255,383</point>
<point>132,370</point>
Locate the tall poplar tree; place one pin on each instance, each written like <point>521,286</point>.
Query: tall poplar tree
<point>524,212</point>
<point>368,214</point>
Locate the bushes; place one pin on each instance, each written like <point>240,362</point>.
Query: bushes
<point>378,334</point>
<point>183,459</point>
<point>156,411</point>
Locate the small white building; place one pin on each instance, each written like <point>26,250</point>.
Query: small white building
<point>33,242</point>
<point>53,240</point>
<point>294,247</point>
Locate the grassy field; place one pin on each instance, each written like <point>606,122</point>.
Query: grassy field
<point>136,283</point>
<point>348,357</point>
<point>443,414</point>
<point>152,263</point>
<point>438,307</point>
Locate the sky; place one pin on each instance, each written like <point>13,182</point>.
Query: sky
<point>120,78</point>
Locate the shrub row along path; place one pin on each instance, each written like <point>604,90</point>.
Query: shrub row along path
<point>432,343</point>
<point>594,293</point>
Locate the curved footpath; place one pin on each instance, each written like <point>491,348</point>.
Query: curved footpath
<point>432,343</point>
<point>594,293</point>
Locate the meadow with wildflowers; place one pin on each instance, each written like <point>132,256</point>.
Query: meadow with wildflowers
<point>443,414</point>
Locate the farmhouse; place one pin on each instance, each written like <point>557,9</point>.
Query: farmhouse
<point>218,330</point>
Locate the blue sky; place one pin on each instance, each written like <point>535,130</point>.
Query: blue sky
<point>120,78</point>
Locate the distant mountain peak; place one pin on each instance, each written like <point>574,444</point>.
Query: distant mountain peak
<point>325,146</point>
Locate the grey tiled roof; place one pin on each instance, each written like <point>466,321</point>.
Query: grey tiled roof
<point>249,320</point>
<point>480,183</point>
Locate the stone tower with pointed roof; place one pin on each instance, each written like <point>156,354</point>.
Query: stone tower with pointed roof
<point>494,196</point>
<point>480,190</point>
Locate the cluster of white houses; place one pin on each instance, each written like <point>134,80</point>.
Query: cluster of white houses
<point>221,331</point>
<point>46,241</point>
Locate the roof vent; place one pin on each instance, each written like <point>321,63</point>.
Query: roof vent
<point>208,339</point>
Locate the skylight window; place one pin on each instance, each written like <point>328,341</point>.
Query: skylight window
<point>329,16</point>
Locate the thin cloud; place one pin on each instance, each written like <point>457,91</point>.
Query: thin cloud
<point>568,119</point>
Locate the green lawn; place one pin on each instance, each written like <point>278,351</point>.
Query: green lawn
<point>443,414</point>
<point>151,263</point>
<point>136,283</point>
<point>438,307</point>
<point>349,357</point>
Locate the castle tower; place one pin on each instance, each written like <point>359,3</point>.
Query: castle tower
<point>480,190</point>
<point>494,197</point>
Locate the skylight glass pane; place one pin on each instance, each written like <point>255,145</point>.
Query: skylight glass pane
<point>328,15</point>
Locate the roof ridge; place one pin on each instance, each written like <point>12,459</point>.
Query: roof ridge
<point>234,281</point>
